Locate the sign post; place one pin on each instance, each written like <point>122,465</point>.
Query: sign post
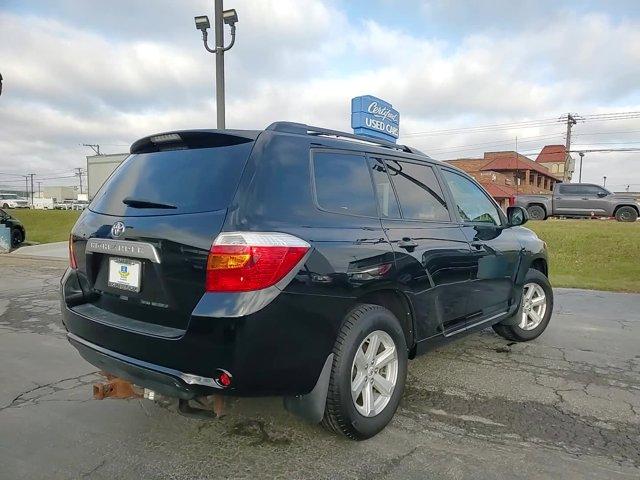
<point>373,117</point>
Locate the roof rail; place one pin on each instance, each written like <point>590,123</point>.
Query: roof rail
<point>302,129</point>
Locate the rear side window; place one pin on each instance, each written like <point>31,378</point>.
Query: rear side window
<point>418,190</point>
<point>192,181</point>
<point>387,203</point>
<point>570,190</point>
<point>343,184</point>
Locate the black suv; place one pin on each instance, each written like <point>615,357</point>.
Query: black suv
<point>295,261</point>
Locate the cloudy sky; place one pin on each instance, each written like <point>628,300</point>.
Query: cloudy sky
<point>110,72</point>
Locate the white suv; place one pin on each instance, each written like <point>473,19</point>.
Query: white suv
<point>11,200</point>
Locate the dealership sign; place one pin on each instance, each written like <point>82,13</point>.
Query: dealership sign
<point>375,118</point>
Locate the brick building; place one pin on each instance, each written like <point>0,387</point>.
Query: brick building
<point>553,157</point>
<point>506,174</point>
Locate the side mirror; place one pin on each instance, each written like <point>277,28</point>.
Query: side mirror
<point>602,194</point>
<point>517,216</point>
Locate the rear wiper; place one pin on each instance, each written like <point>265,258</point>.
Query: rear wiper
<point>141,203</point>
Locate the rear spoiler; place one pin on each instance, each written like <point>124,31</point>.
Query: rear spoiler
<point>191,139</point>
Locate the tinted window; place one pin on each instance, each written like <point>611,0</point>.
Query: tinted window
<point>387,203</point>
<point>195,180</point>
<point>418,191</point>
<point>343,184</point>
<point>472,203</point>
<point>592,190</point>
<point>570,190</point>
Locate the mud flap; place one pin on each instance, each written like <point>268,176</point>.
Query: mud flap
<point>513,319</point>
<point>310,407</point>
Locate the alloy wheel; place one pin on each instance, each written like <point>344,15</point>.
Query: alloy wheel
<point>374,373</point>
<point>534,306</point>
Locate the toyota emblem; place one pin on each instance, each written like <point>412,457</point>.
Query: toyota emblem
<point>117,229</point>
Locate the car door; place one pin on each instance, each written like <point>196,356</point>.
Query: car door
<point>594,200</point>
<point>496,250</point>
<point>568,201</point>
<point>431,252</point>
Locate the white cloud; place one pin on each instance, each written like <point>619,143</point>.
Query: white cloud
<point>67,83</point>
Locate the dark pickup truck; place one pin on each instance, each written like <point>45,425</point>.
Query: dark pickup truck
<point>580,200</point>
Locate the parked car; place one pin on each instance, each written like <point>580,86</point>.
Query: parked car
<point>18,232</point>
<point>79,205</point>
<point>43,203</point>
<point>580,200</point>
<point>64,205</point>
<point>294,261</point>
<point>11,200</point>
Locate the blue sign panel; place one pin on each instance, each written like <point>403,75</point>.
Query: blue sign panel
<point>375,118</point>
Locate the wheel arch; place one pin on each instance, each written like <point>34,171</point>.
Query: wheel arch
<point>541,265</point>
<point>538,204</point>
<point>618,207</point>
<point>398,303</point>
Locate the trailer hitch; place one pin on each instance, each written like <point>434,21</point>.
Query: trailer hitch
<point>209,407</point>
<point>115,387</point>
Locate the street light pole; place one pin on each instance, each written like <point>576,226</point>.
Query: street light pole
<point>217,25</point>
<point>229,17</point>
<point>604,182</point>
<point>580,176</point>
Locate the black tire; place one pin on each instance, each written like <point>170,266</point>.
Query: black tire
<point>626,214</point>
<point>517,334</point>
<point>16,238</point>
<point>5,205</point>
<point>341,415</point>
<point>536,212</point>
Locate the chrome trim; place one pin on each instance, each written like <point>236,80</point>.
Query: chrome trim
<point>123,248</point>
<point>188,378</point>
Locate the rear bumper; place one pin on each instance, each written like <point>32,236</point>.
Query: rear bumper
<point>278,350</point>
<point>165,381</point>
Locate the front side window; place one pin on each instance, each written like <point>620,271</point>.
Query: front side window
<point>593,190</point>
<point>472,203</point>
<point>418,191</point>
<point>343,184</point>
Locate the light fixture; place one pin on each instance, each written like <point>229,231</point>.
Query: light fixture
<point>202,23</point>
<point>230,16</point>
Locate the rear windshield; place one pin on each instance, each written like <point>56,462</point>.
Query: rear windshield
<point>192,181</point>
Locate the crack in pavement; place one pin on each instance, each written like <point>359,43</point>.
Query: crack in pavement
<point>531,421</point>
<point>48,389</point>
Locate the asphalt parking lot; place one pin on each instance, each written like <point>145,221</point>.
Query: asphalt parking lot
<point>564,406</point>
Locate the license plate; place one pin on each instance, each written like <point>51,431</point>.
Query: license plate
<point>124,274</point>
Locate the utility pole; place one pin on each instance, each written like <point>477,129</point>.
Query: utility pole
<point>581,157</point>
<point>571,121</point>
<point>229,17</point>
<point>517,169</point>
<point>39,191</point>
<point>94,147</point>
<point>32,175</point>
<point>79,174</point>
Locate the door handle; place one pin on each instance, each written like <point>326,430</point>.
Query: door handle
<point>407,243</point>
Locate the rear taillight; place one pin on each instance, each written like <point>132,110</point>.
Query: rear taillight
<point>72,254</point>
<point>245,261</point>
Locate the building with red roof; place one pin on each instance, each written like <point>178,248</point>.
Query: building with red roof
<point>554,157</point>
<point>506,174</point>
